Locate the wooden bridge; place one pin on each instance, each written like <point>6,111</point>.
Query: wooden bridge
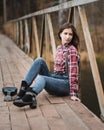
<point>53,112</point>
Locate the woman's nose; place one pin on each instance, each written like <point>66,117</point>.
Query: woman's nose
<point>67,36</point>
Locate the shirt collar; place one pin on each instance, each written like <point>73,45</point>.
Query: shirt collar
<point>66,45</point>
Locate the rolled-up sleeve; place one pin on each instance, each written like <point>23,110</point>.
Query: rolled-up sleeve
<point>73,69</point>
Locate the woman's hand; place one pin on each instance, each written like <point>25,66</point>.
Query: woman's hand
<point>74,98</point>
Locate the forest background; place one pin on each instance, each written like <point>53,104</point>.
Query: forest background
<point>95,17</point>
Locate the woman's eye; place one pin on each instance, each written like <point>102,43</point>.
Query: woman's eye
<point>65,33</point>
<point>70,34</point>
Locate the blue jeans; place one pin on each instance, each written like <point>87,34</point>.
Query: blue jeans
<point>53,83</point>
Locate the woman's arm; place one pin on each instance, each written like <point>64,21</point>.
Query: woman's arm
<point>73,70</point>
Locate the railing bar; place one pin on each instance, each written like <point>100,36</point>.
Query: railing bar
<point>94,67</point>
<point>17,33</point>
<point>35,30</point>
<point>42,35</point>
<point>71,15</point>
<point>52,38</point>
<point>64,5</point>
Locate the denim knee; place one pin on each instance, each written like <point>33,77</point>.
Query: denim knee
<point>39,59</point>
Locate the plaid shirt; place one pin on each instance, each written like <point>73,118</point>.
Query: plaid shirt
<point>69,53</point>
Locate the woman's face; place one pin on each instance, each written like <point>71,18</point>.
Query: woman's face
<point>66,36</point>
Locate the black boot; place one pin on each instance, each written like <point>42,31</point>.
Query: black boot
<point>28,99</point>
<point>22,90</point>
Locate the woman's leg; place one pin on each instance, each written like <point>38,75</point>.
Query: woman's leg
<point>54,86</point>
<point>39,66</point>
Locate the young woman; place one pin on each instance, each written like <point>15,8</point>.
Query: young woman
<point>64,80</point>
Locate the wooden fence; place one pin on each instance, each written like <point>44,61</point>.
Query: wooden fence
<point>26,30</point>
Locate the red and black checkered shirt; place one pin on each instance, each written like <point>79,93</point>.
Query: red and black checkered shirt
<point>67,61</point>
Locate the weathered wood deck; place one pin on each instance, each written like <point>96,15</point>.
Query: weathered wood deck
<point>52,113</point>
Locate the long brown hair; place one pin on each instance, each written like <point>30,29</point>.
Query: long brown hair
<point>75,40</point>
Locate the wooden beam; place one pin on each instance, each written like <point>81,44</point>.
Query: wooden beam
<point>94,68</point>
<point>42,35</point>
<point>35,31</point>
<point>27,41</point>
<point>71,15</point>
<point>21,35</point>
<point>17,33</point>
<point>76,17</point>
<point>64,5</point>
<point>51,34</point>
<point>47,43</point>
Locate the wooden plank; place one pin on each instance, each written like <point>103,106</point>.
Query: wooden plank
<point>7,79</point>
<point>11,117</point>
<point>94,67</point>
<point>91,120</point>
<point>20,68</point>
<point>71,120</point>
<point>12,67</point>
<point>1,81</point>
<point>4,112</point>
<point>5,127</point>
<point>35,117</point>
<point>55,121</point>
<point>54,99</point>
<point>57,124</point>
<point>31,113</point>
<point>38,123</point>
<point>41,99</point>
<point>19,59</point>
<point>4,119</point>
<point>64,5</point>
<point>15,71</point>
<point>18,118</point>
<point>49,111</point>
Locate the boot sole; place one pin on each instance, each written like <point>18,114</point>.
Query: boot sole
<point>20,103</point>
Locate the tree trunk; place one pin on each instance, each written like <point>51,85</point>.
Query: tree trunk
<point>61,13</point>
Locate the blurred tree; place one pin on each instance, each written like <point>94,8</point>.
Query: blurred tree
<point>95,15</point>
<point>61,13</point>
